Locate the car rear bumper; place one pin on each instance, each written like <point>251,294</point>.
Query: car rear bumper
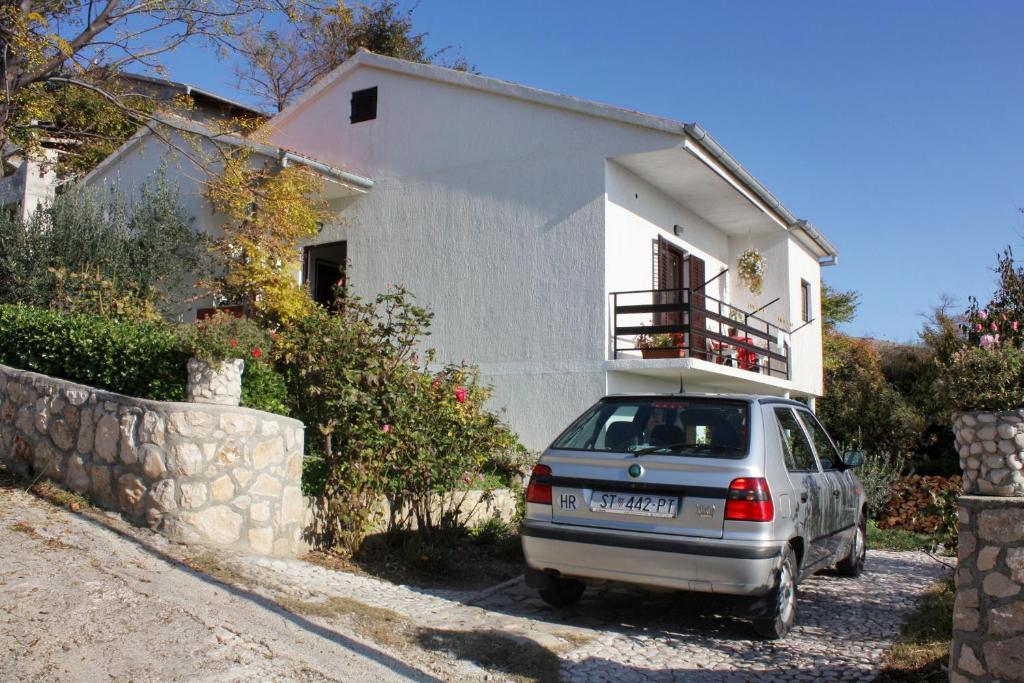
<point>683,563</point>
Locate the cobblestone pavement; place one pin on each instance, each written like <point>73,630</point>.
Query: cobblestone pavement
<point>844,626</point>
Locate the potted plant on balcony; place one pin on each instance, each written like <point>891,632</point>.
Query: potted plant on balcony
<point>750,266</point>
<point>662,345</point>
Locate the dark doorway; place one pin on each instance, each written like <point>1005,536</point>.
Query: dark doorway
<point>323,268</point>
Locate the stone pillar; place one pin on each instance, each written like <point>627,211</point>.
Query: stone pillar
<point>220,386</point>
<point>988,619</point>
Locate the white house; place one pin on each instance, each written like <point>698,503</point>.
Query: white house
<point>546,232</point>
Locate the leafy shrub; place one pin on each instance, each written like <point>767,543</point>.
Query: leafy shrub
<point>878,473</point>
<point>142,359</point>
<point>379,422</point>
<point>979,378</point>
<point>263,388</point>
<point>93,251</point>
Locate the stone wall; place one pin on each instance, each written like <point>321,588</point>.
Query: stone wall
<point>221,475</point>
<point>991,448</point>
<point>988,621</point>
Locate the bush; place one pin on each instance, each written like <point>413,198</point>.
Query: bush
<point>377,422</point>
<point>877,475</point>
<point>93,251</point>
<point>984,379</point>
<point>263,388</point>
<point>141,359</point>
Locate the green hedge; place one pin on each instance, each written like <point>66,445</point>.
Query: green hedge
<point>145,360</point>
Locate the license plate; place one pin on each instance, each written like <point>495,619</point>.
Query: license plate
<point>634,504</point>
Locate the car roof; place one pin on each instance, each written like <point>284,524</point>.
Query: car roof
<point>750,398</point>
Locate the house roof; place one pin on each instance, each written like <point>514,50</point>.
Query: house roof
<point>496,86</point>
<point>194,91</point>
<point>286,157</point>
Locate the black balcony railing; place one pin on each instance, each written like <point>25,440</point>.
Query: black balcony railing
<point>679,323</point>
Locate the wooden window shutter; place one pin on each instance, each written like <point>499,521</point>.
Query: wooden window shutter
<point>364,105</point>
<point>698,320</point>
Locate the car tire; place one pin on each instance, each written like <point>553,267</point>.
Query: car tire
<point>562,592</point>
<point>853,564</point>
<point>783,600</point>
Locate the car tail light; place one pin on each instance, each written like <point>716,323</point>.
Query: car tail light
<point>749,500</point>
<point>539,488</point>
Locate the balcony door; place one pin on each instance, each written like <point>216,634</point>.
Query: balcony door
<point>671,276</point>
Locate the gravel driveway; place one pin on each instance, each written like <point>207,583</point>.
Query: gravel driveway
<point>81,601</point>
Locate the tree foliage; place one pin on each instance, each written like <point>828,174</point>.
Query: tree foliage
<point>280,64</point>
<point>103,252</point>
<point>269,212</point>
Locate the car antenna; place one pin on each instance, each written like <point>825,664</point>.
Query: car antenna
<point>682,387</point>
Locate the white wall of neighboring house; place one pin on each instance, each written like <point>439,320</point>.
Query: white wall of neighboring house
<point>32,185</point>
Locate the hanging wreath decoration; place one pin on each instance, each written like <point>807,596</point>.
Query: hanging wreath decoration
<point>751,270</point>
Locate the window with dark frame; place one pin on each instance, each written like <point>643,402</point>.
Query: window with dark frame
<point>364,105</point>
<point>805,300</point>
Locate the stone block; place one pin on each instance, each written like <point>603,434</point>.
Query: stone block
<point>42,415</point>
<point>61,434</point>
<point>267,453</point>
<point>218,524</point>
<point>193,495</point>
<point>161,495</point>
<point>292,507</point>
<point>86,435</point>
<point>998,585</point>
<point>1015,563</point>
<point>261,540</point>
<point>193,423</point>
<point>130,490</point>
<point>129,454</point>
<point>78,475</point>
<point>260,512</point>
<point>76,397</point>
<point>237,424</point>
<point>222,489</point>
<point>1006,619</point>
<point>266,485</point>
<point>185,460</point>
<point>967,545</point>
<point>102,488</point>
<point>152,461</point>
<point>1001,526</point>
<point>1005,658</point>
<point>242,476</point>
<point>229,453</point>
<point>107,433</point>
<point>151,428</point>
<point>969,661</point>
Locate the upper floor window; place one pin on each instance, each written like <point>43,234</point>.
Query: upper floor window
<point>805,301</point>
<point>364,105</point>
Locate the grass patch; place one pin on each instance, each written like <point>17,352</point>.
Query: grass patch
<point>896,539</point>
<point>381,625</point>
<point>921,652</point>
<point>211,565</point>
<point>45,489</point>
<point>520,658</point>
<point>26,529</point>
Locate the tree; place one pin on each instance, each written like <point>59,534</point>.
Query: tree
<point>837,307</point>
<point>278,65</point>
<point>61,60</point>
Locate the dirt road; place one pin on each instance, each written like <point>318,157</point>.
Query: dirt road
<point>80,601</point>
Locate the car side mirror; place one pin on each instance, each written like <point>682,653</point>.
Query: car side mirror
<point>853,458</point>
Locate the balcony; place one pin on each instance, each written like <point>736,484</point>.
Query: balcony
<point>661,332</point>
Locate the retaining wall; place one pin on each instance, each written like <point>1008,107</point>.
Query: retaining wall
<point>220,475</point>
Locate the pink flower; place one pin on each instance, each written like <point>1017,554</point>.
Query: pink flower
<point>995,328</point>
<point>983,315</point>
<point>1015,325</point>
<point>386,429</point>
<point>436,384</point>
<point>460,394</point>
<point>979,327</point>
<point>988,340</point>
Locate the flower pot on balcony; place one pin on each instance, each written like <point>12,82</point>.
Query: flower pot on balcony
<point>663,353</point>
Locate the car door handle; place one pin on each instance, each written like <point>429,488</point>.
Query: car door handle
<point>803,497</point>
<point>835,492</point>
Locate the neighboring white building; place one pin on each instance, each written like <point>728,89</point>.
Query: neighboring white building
<point>521,216</point>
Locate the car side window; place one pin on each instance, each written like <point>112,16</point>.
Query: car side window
<point>827,452</point>
<point>796,449</point>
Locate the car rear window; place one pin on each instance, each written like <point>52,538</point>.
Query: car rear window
<point>664,426</point>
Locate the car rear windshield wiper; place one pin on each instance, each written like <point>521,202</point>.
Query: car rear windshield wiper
<point>648,450</point>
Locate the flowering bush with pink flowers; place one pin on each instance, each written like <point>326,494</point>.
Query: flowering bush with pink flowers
<point>987,371</point>
<point>382,418</point>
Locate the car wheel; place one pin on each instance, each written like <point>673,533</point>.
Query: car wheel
<point>783,598</point>
<point>853,564</point>
<point>562,592</point>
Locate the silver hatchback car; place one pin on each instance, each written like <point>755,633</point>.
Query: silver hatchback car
<point>732,494</point>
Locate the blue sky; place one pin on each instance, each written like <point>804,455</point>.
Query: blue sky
<point>897,128</point>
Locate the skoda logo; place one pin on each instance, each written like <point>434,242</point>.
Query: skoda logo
<point>635,470</point>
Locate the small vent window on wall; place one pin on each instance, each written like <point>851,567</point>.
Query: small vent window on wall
<point>364,105</point>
